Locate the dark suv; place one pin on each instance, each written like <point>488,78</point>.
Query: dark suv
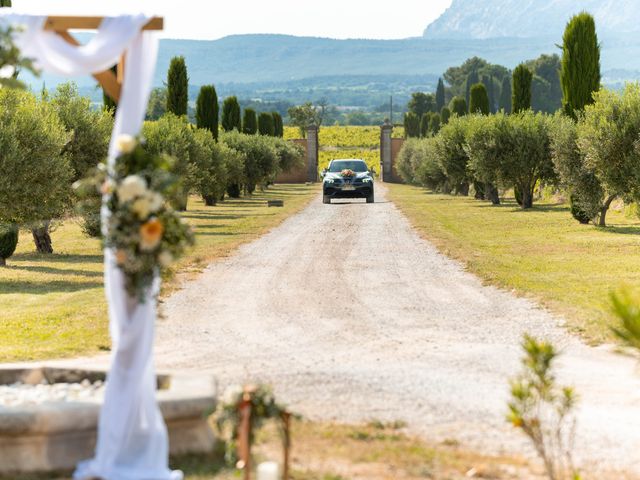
<point>349,178</point>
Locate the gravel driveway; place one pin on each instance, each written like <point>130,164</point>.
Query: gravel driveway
<point>351,316</point>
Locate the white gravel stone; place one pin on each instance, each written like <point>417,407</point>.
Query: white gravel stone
<point>22,394</point>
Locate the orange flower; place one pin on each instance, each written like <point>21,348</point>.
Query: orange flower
<point>121,257</point>
<point>151,234</point>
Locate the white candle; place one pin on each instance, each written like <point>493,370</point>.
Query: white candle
<point>268,471</point>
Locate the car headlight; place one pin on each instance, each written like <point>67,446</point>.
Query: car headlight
<point>366,180</point>
<point>329,180</point>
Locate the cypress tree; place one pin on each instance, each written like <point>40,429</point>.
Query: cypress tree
<point>231,114</point>
<point>177,87</point>
<point>424,124</point>
<point>505,95</point>
<point>434,124</point>
<point>458,106</point>
<point>250,121</point>
<point>207,109</point>
<point>479,100</point>
<point>278,126</point>
<point>445,114</point>
<point>411,125</point>
<point>265,124</point>
<point>521,96</point>
<point>580,67</point>
<point>472,79</point>
<point>487,81</point>
<point>440,95</point>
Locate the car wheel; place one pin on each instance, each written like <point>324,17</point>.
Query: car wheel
<point>370,198</point>
<point>326,199</point>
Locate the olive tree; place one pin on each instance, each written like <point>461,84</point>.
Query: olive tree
<point>608,138</point>
<point>451,154</point>
<point>486,143</point>
<point>211,177</point>
<point>36,174</point>
<point>260,157</point>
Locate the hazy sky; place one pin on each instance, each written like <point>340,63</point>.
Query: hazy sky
<point>207,19</point>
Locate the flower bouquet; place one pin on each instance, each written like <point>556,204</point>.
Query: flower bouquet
<point>347,173</point>
<point>145,233</point>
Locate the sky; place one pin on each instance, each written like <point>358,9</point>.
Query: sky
<point>209,19</point>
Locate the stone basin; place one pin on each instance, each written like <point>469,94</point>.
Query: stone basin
<point>56,435</point>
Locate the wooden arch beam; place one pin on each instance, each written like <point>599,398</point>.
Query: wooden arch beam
<point>111,82</point>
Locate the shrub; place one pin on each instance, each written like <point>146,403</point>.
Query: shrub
<point>486,143</point>
<point>204,154</point>
<point>231,115</point>
<point>8,241</point>
<point>580,67</point>
<point>177,87</point>
<point>406,162</point>
<point>89,129</point>
<point>543,410</point>
<point>418,164</point>
<point>35,180</point>
<point>207,110</point>
<point>173,135</point>
<point>451,154</point>
<point>458,106</point>
<point>265,124</point>
<point>250,122</point>
<point>290,155</point>
<point>521,96</point>
<point>586,194</point>
<point>608,138</point>
<point>424,124</point>
<point>260,157</point>
<point>233,163</point>
<point>626,309</point>
<point>434,124</point>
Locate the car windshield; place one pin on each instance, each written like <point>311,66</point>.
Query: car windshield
<point>355,165</point>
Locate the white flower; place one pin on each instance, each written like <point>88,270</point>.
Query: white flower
<point>155,201</point>
<point>165,259</point>
<point>232,394</point>
<point>142,207</point>
<point>125,143</point>
<point>133,186</point>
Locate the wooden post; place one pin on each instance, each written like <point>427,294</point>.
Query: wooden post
<point>286,428</point>
<point>244,436</point>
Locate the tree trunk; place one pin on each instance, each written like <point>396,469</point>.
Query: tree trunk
<point>492,194</point>
<point>603,211</point>
<point>527,198</point>
<point>463,189</point>
<point>209,200</point>
<point>3,262</point>
<point>42,238</point>
<point>480,189</point>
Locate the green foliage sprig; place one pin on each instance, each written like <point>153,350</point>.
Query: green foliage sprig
<point>543,410</point>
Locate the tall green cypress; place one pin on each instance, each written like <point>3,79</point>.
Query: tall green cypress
<point>505,95</point>
<point>424,124</point>
<point>434,124</point>
<point>250,121</point>
<point>440,95</point>
<point>445,114</point>
<point>479,99</point>
<point>521,96</point>
<point>580,67</point>
<point>177,87</point>
<point>265,124</point>
<point>231,114</point>
<point>472,79</point>
<point>278,126</point>
<point>458,106</point>
<point>487,81</point>
<point>207,109</point>
<point>411,125</point>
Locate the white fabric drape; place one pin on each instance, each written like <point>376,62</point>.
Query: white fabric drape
<point>132,437</point>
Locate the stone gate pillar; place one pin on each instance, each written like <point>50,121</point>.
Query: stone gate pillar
<point>385,152</point>
<point>312,153</point>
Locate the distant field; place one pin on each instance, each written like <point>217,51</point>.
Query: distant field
<point>542,252</point>
<point>54,306</point>
<point>348,142</point>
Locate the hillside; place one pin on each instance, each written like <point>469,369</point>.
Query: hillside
<point>530,18</point>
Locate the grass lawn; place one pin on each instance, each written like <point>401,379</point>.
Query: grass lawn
<point>54,306</point>
<point>376,451</point>
<point>542,252</point>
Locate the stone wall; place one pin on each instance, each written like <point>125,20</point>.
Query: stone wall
<point>389,150</point>
<point>308,172</point>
